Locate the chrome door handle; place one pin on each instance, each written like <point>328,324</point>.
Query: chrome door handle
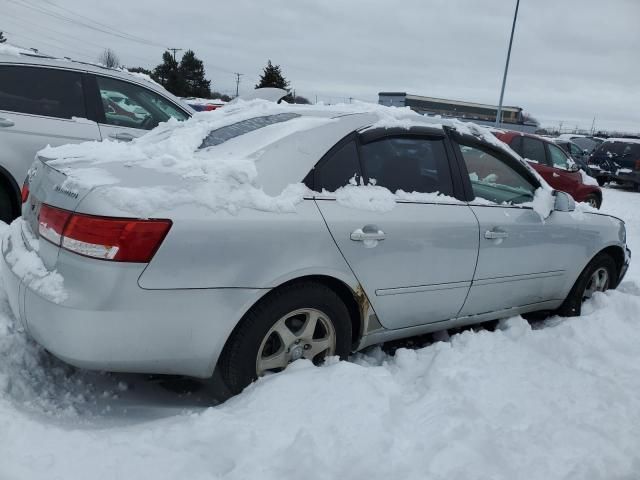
<point>5,122</point>
<point>556,174</point>
<point>122,136</point>
<point>495,234</point>
<point>364,234</point>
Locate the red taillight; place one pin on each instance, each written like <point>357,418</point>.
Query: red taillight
<point>637,164</point>
<point>106,238</point>
<point>51,223</point>
<point>24,193</point>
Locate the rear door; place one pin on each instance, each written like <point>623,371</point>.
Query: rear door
<point>523,259</point>
<point>40,106</point>
<point>128,110</point>
<point>414,257</point>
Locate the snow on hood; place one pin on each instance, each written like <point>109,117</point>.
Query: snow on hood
<point>225,176</point>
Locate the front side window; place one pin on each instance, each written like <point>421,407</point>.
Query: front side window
<point>533,149</point>
<point>133,106</point>
<point>409,164</point>
<point>494,180</point>
<point>558,157</point>
<point>41,91</point>
<point>575,150</point>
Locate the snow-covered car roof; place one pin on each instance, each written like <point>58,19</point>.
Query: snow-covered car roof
<point>248,154</point>
<point>625,140</point>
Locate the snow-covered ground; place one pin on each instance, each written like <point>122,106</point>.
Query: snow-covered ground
<point>559,400</point>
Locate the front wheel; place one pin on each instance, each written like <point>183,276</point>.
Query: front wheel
<point>302,320</point>
<point>598,276</point>
<point>593,201</point>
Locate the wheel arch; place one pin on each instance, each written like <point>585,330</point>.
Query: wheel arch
<point>356,302</point>
<point>617,254</point>
<point>8,182</point>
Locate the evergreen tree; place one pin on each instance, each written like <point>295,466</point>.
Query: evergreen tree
<point>141,70</point>
<point>191,70</point>
<point>272,77</point>
<point>2,37</point>
<point>168,75</point>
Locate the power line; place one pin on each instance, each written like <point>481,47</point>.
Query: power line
<point>238,75</point>
<point>73,21</point>
<point>174,50</point>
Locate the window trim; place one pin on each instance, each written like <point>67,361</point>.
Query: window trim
<point>471,141</point>
<point>50,67</point>
<point>97,102</point>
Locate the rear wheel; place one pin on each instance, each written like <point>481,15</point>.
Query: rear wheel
<point>301,320</point>
<point>593,201</point>
<point>601,181</point>
<point>598,276</point>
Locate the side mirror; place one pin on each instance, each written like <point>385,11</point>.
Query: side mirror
<point>563,202</point>
<point>573,167</point>
<point>585,152</point>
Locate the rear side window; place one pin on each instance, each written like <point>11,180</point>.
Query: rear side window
<point>408,163</point>
<point>41,91</point>
<point>533,149</point>
<point>222,134</point>
<point>339,169</point>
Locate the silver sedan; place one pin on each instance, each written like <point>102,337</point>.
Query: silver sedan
<point>387,228</point>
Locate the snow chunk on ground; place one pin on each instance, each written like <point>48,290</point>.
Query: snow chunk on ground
<point>28,266</point>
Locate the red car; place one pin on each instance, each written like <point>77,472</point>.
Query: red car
<point>554,165</point>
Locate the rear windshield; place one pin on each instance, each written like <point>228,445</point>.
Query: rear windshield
<point>221,135</point>
<point>585,143</point>
<point>620,149</point>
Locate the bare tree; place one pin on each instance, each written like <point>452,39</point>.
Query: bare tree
<point>109,58</point>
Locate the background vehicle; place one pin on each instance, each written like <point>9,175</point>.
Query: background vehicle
<point>624,153</point>
<point>600,171</point>
<point>331,274</point>
<point>555,166</point>
<point>47,101</point>
<point>583,141</point>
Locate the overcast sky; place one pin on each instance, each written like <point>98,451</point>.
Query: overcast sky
<point>571,59</point>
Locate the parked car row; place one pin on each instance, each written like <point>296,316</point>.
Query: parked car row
<point>555,165</point>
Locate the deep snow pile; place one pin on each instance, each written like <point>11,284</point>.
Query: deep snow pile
<point>556,401</point>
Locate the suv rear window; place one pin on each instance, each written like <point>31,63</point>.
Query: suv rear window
<point>41,91</point>
<point>221,135</point>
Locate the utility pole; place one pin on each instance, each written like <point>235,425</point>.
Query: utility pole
<point>238,75</point>
<point>174,50</point>
<point>506,67</point>
<point>593,125</point>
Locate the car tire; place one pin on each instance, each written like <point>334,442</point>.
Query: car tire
<point>601,181</point>
<point>6,205</point>
<point>259,340</point>
<point>593,200</point>
<point>601,266</point>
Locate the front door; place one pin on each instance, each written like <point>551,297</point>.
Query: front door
<point>129,110</point>
<point>414,253</point>
<point>524,254</point>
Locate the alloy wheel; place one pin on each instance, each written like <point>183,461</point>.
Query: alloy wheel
<point>304,333</point>
<point>598,282</point>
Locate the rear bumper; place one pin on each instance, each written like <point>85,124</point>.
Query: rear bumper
<point>107,322</point>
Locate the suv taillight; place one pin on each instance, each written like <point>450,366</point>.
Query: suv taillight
<point>637,164</point>
<point>106,238</point>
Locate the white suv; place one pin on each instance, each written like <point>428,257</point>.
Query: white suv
<point>48,101</point>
